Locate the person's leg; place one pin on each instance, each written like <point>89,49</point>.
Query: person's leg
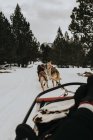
<point>79,126</point>
<point>25,132</point>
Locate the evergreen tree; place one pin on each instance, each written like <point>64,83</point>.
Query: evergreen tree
<point>77,55</point>
<point>34,55</point>
<point>24,38</point>
<point>66,36</point>
<point>59,36</point>
<point>7,41</point>
<point>82,21</point>
<point>58,48</point>
<point>45,52</point>
<point>90,57</point>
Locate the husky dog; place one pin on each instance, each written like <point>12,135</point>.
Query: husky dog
<point>55,76</point>
<point>42,76</point>
<point>48,67</point>
<point>40,68</point>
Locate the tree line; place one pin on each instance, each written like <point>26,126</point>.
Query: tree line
<point>18,44</point>
<point>64,51</point>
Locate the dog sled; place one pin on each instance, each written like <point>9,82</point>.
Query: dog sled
<point>50,111</point>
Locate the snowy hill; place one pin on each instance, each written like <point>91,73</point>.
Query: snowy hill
<point>18,89</point>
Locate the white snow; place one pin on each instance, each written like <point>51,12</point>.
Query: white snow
<point>18,90</point>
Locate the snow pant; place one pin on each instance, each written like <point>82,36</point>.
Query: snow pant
<point>78,126</point>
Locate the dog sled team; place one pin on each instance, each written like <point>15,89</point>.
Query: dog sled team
<point>48,72</point>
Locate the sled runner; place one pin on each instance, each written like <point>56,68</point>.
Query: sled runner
<point>50,111</point>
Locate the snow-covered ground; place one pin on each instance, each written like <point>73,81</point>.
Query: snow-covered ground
<point>18,89</point>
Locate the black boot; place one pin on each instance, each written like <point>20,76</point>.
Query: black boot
<point>24,131</point>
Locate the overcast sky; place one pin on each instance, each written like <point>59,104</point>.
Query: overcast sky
<point>44,16</point>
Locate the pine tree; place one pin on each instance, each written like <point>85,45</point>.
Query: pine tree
<point>82,21</point>
<point>77,55</point>
<point>7,41</point>
<point>66,36</point>
<point>24,38</point>
<point>58,48</point>
<point>45,52</point>
<point>34,54</point>
<point>59,36</point>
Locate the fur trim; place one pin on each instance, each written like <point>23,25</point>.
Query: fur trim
<point>87,106</point>
<point>53,111</point>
